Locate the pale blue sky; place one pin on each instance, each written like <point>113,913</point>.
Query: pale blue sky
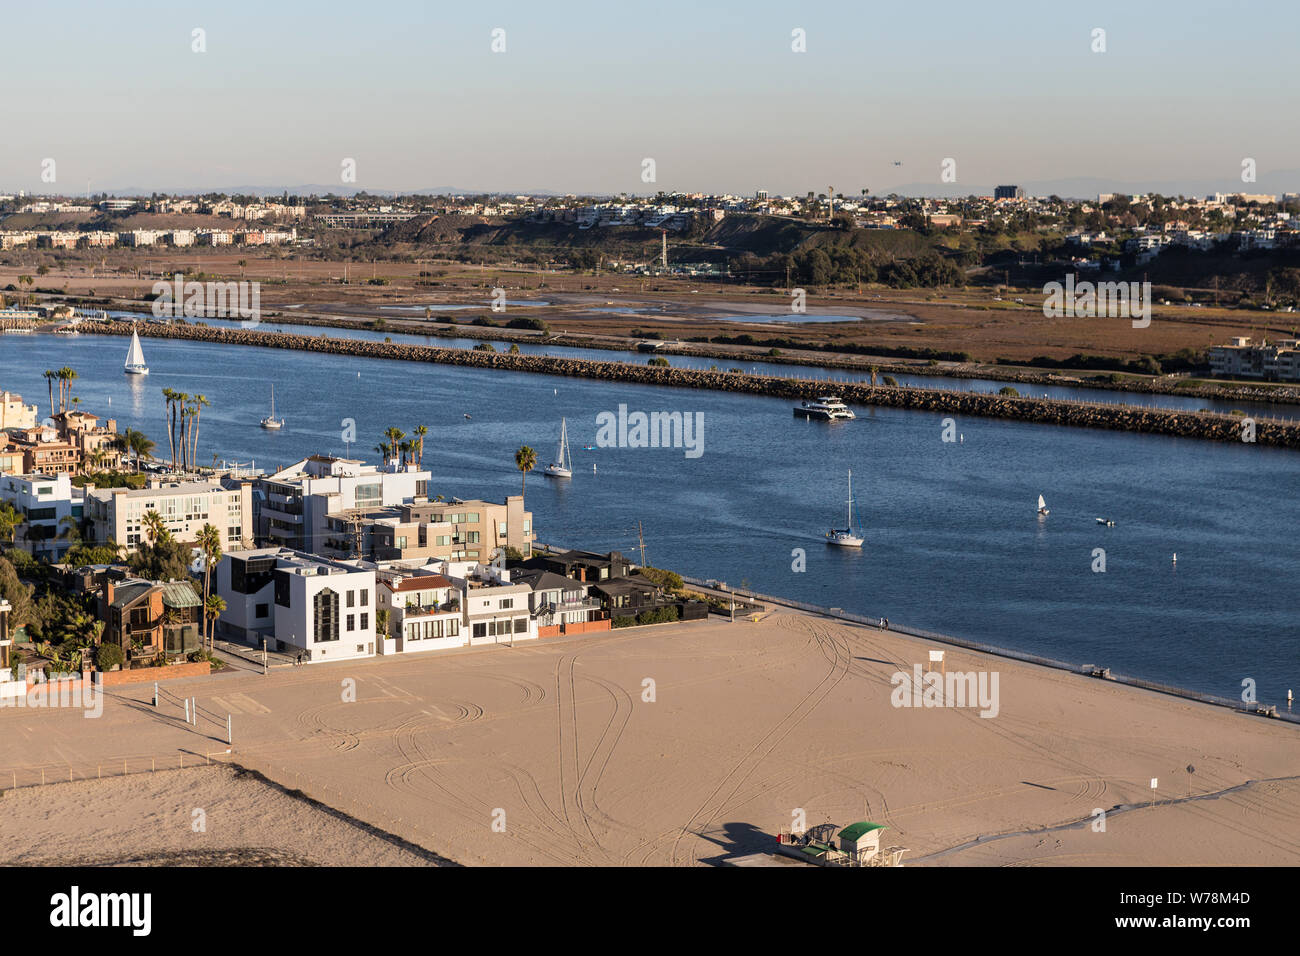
<point>711,91</point>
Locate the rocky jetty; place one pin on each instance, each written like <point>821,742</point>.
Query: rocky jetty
<point>1204,425</point>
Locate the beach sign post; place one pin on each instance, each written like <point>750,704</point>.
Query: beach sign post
<point>1154,783</point>
<point>936,657</point>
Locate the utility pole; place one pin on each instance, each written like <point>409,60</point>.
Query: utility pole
<point>640,537</point>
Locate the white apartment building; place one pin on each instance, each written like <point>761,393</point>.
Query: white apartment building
<point>294,505</point>
<point>1278,361</point>
<point>300,603</point>
<point>185,507</point>
<point>44,501</point>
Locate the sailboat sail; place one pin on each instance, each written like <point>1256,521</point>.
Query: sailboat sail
<point>562,452</point>
<point>1041,503</point>
<point>135,355</point>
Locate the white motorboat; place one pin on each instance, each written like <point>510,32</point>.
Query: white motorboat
<point>562,467</point>
<point>846,537</point>
<point>827,408</point>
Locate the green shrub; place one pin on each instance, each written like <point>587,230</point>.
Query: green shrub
<point>109,656</point>
<point>1008,390</point>
<point>890,380</point>
<point>658,360</point>
<point>624,621</point>
<point>484,347</point>
<point>669,580</point>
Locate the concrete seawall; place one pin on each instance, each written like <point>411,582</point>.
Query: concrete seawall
<point>1203,425</point>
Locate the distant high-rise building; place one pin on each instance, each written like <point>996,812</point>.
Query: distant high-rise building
<point>1008,192</point>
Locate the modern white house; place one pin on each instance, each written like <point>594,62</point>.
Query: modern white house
<point>299,602</point>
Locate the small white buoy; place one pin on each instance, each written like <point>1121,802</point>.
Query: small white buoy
<point>555,391</point>
<point>358,374</point>
<point>961,438</point>
<point>1175,557</point>
<point>593,466</point>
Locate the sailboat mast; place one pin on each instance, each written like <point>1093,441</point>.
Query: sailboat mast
<point>848,521</point>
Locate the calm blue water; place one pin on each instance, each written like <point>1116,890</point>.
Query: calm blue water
<point>953,543</point>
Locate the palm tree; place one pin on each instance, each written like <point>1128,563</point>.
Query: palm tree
<point>200,402</point>
<point>394,436</point>
<point>169,419</point>
<point>525,461</point>
<point>154,529</point>
<point>407,449</point>
<point>213,606</point>
<point>65,375</point>
<point>50,376</point>
<point>9,520</point>
<point>209,542</point>
<point>420,431</point>
<point>180,400</point>
<point>139,444</point>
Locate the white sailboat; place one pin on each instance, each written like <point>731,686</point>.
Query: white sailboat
<point>135,357</point>
<point>270,421</point>
<point>1042,506</point>
<point>562,467</point>
<point>845,537</point>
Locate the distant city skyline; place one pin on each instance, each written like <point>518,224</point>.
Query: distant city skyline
<point>583,94</point>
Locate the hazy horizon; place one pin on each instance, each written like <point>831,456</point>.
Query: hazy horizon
<point>714,95</point>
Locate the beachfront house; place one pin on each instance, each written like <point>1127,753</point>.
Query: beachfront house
<point>424,610</point>
<point>561,605</point>
<point>301,603</point>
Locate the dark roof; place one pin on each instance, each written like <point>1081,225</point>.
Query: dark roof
<point>540,579</point>
<point>130,593</point>
<point>623,585</point>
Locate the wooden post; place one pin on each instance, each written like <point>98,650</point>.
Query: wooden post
<point>155,693</point>
<point>228,740</point>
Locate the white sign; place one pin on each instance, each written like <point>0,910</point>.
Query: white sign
<point>936,657</point>
<point>1153,783</point>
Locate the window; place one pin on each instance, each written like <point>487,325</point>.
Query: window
<point>365,599</point>
<point>352,622</point>
<point>453,628</point>
<point>401,542</point>
<point>325,606</point>
<point>472,537</point>
<point>521,625</point>
<point>370,494</point>
<point>444,539</point>
<point>507,603</point>
<point>480,630</point>
<point>361,648</point>
<point>352,599</point>
<point>471,517</point>
<point>365,621</point>
<point>262,610</point>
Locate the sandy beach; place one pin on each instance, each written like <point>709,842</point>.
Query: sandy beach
<point>669,745</point>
